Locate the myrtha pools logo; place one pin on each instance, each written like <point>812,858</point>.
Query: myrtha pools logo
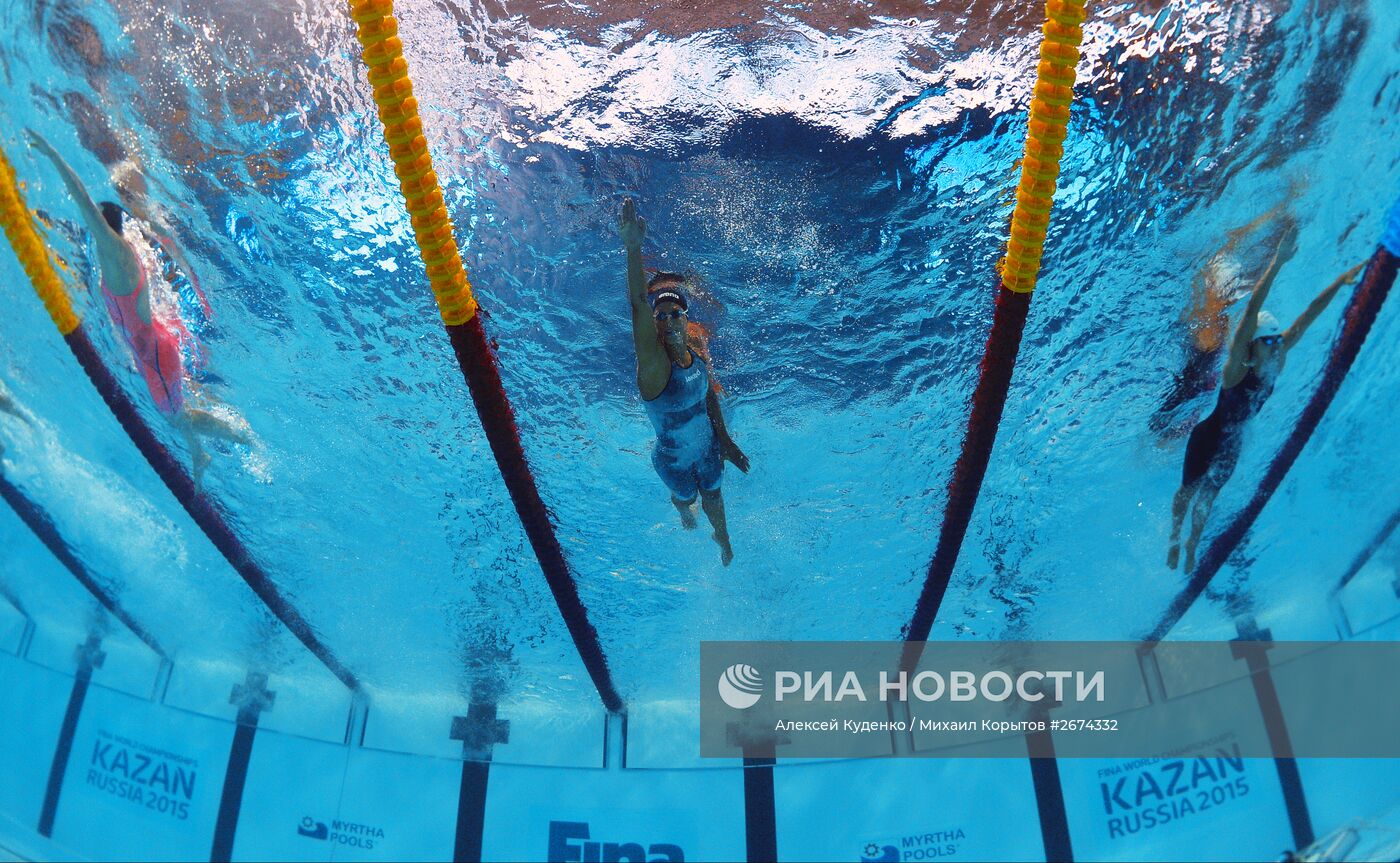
<point>341,832</point>
<point>313,829</point>
<point>740,686</point>
<point>874,853</point>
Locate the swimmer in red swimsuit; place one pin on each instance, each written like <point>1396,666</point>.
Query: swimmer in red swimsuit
<point>155,340</point>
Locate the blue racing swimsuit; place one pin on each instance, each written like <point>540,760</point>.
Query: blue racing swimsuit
<point>686,455</point>
<point>1214,446</point>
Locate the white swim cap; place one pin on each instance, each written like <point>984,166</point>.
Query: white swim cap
<point>1267,325</point>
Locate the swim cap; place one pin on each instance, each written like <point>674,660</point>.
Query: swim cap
<point>1267,325</point>
<point>668,294</point>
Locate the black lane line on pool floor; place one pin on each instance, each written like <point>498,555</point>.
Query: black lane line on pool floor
<point>43,528</point>
<point>231,799</point>
<point>760,812</point>
<point>252,698</point>
<point>479,732</point>
<point>1357,319</point>
<point>1340,618</point>
<point>209,520</point>
<point>471,812</point>
<point>1254,652</point>
<point>1371,548</point>
<point>1049,797</point>
<point>26,635</point>
<point>90,656</point>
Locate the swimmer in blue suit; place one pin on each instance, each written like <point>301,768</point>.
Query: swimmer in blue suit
<point>673,375</point>
<point>1256,357</point>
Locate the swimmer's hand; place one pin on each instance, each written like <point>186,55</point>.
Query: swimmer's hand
<point>630,226</point>
<point>731,453</point>
<point>1288,241</point>
<point>38,142</point>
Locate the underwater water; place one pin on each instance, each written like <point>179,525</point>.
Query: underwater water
<point>837,177</point>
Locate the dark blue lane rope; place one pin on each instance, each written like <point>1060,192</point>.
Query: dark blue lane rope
<point>1360,314</point>
<point>988,402</point>
<point>42,527</point>
<point>210,521</point>
<point>483,377</point>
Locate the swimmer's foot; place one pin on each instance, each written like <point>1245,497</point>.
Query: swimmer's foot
<point>1190,560</point>
<point>200,461</point>
<point>726,554</point>
<point>1172,554</point>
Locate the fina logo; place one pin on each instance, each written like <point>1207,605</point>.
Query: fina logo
<point>740,686</point>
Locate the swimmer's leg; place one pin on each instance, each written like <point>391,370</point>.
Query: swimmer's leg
<point>687,510</point>
<point>9,406</point>
<point>713,504</point>
<point>199,459</point>
<point>195,424</point>
<point>208,424</point>
<point>1199,515</point>
<point>1179,505</point>
<point>211,424</point>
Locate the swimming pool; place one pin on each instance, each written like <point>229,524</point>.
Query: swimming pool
<point>841,186</point>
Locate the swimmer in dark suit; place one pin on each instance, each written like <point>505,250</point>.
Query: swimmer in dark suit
<point>1257,354</point>
<point>677,388</point>
<point>1218,286</point>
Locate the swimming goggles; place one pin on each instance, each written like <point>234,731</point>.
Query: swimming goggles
<point>671,315</point>
<point>1272,340</point>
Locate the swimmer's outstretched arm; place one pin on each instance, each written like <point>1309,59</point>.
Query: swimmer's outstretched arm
<point>1236,365</point>
<point>1305,320</point>
<point>653,366</point>
<point>119,265</point>
<point>1234,237</point>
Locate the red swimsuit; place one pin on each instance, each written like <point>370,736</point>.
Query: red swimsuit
<point>156,345</point>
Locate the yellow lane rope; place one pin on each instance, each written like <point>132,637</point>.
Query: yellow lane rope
<point>1040,166</point>
<point>377,30</point>
<point>31,250</point>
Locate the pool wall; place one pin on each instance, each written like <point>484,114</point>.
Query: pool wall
<point>145,779</point>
